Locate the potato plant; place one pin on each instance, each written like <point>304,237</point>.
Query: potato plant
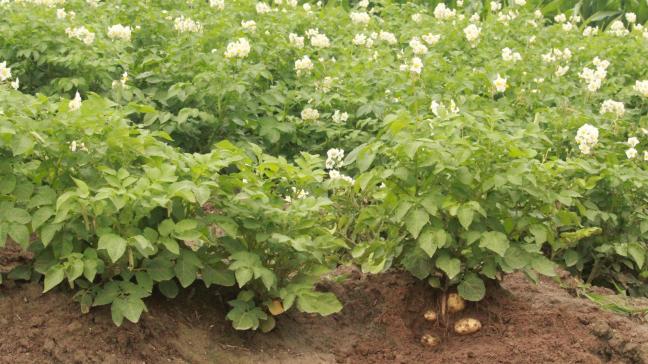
<point>150,144</point>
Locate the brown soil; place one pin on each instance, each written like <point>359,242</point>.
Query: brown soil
<point>381,323</point>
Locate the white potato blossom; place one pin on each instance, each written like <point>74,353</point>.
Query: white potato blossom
<point>335,175</point>
<point>388,37</point>
<point>645,157</point>
<point>557,55</point>
<point>238,49</point>
<point>217,4</point>
<point>303,65</point>
<point>641,87</point>
<point>186,25</point>
<point>538,14</point>
<point>612,107</point>
<point>495,6</point>
<point>472,33</point>
<point>15,84</point>
<point>474,18</point>
<point>561,71</point>
<point>249,25</point>
<point>431,39</point>
<point>81,33</point>
<point>295,40</point>
<point>75,103</point>
<point>442,12</point>
<point>438,108</point>
<point>363,3</point>
<point>300,194</point>
<point>633,142</point>
<point>325,85</point>
<point>631,153</point>
<point>417,18</point>
<point>5,72</point>
<point>340,117</point>
<point>587,137</point>
<point>618,28</point>
<point>505,18</point>
<point>590,31</point>
<point>417,46</point>
<point>560,18</point>
<point>262,8</point>
<point>61,14</point>
<point>416,66</point>
<point>309,114</point>
<point>568,26</point>
<point>74,146</point>
<point>121,82</point>
<point>509,56</point>
<point>334,158</point>
<point>360,17</point>
<point>631,17</point>
<point>500,83</point>
<point>594,77</point>
<point>519,2</point>
<point>320,40</point>
<point>119,31</point>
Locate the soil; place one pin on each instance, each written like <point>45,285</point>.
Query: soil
<point>382,322</point>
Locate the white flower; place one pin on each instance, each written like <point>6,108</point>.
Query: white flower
<point>320,40</point>
<point>631,153</point>
<point>5,72</point>
<point>645,158</point>
<point>340,117</point>
<point>238,49</point>
<point>388,37</point>
<point>568,27</point>
<point>295,40</point>
<point>417,46</point>
<point>587,137</point>
<point>249,25</point>
<point>594,78</point>
<point>538,14</point>
<point>472,33</point>
<point>437,108</point>
<point>303,65</point>
<point>431,39</point>
<point>262,8</point>
<point>474,18</point>
<point>307,7</point>
<point>442,12</point>
<point>186,25</point>
<point>613,107</point>
<point>561,71</point>
<point>218,4</point>
<point>119,31</point>
<point>334,158</point>
<point>519,2</point>
<point>75,103</point>
<point>309,114</point>
<point>631,17</point>
<point>15,84</point>
<point>416,66</point>
<point>417,18</point>
<point>81,33</point>
<point>500,84</point>
<point>495,6</point>
<point>335,175</point>
<point>508,55</point>
<point>360,17</point>
<point>560,18</point>
<point>633,142</point>
<point>640,86</point>
<point>60,14</point>
<point>618,28</point>
<point>589,31</point>
<point>363,3</point>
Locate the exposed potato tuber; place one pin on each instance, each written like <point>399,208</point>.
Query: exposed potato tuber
<point>430,315</point>
<point>467,326</point>
<point>455,303</point>
<point>430,340</point>
<point>275,307</point>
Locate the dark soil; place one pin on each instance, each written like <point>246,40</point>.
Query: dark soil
<point>381,323</point>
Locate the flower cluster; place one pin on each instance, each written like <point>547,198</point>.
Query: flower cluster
<point>439,109</point>
<point>472,33</point>
<point>81,33</point>
<point>641,87</point>
<point>339,117</point>
<point>335,175</point>
<point>75,103</point>
<point>415,66</point>
<point>295,40</point>
<point>594,78</point>
<point>618,28</point>
<point>334,158</point>
<point>500,83</point>
<point>119,31</point>
<point>360,17</point>
<point>62,14</point>
<point>431,39</point>
<point>238,49</point>
<point>631,152</point>
<point>442,12</point>
<point>186,25</point>
<point>587,137</point>
<point>388,37</point>
<point>509,56</point>
<point>417,46</point>
<point>217,4</point>
<point>121,82</point>
<point>613,107</point>
<point>249,25</point>
<point>262,8</point>
<point>303,65</point>
<point>309,114</point>
<point>317,39</point>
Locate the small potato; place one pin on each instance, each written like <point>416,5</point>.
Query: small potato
<point>467,326</point>
<point>430,315</point>
<point>275,307</point>
<point>455,303</point>
<point>430,340</point>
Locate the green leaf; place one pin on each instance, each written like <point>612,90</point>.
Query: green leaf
<point>170,244</point>
<point>544,266</point>
<point>318,302</point>
<point>186,270</point>
<point>472,287</point>
<point>571,257</point>
<point>495,241</point>
<point>450,266</point>
<point>114,245</point>
<point>106,294</point>
<point>416,220</point>
<point>516,258</point>
<point>465,215</point>
<point>638,254</point>
<point>41,216</point>
<point>20,234</point>
<point>53,277</point>
<point>169,288</point>
<point>243,276</point>
<point>222,277</point>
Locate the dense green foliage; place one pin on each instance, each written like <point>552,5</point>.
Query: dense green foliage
<point>170,152</point>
